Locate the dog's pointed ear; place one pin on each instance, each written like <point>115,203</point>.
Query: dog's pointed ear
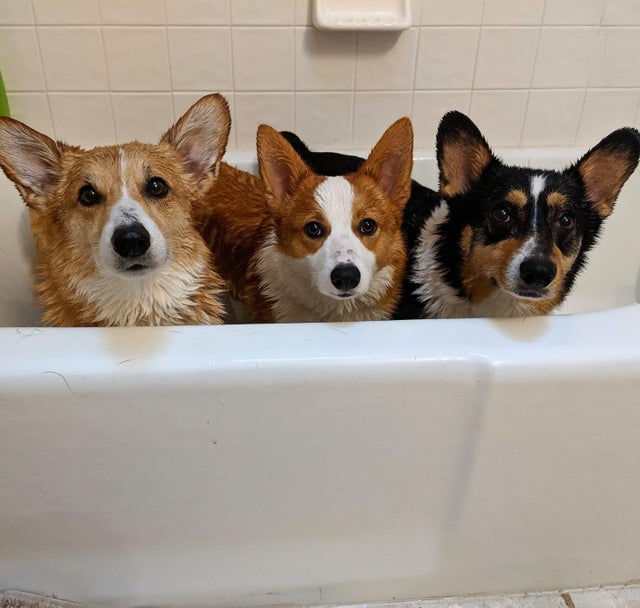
<point>462,152</point>
<point>30,160</point>
<point>391,161</point>
<point>281,168</point>
<point>606,167</point>
<point>201,134</point>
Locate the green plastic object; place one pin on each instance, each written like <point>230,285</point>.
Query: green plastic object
<point>4,103</point>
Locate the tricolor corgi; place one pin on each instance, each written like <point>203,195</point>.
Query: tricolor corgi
<point>299,247</point>
<point>113,225</point>
<point>499,240</point>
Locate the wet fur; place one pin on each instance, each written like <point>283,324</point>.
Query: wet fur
<point>73,286</point>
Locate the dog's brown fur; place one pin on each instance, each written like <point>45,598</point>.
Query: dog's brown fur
<point>73,287</point>
<point>243,213</point>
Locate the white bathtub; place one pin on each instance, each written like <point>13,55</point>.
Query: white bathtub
<point>260,465</point>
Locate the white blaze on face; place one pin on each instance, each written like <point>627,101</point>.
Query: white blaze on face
<point>537,185</point>
<point>335,197</point>
<point>126,212</point>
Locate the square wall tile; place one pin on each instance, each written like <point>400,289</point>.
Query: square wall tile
<point>15,12</point>
<point>428,109</point>
<point>141,116</point>
<point>183,101</point>
<point>259,12</point>
<point>445,12</point>
<point>66,67</point>
<point>82,119</point>
<point>386,60</point>
<point>20,59</point>
<point>200,58</point>
<point>573,12</point>
<point>254,109</point>
<point>552,118</point>
<point>33,110</point>
<point>66,12</point>
<point>604,111</point>
<point>505,57</point>
<point>621,12</point>
<point>446,57</point>
<point>302,12</point>
<point>263,58</point>
<point>126,12</point>
<point>323,120</point>
<point>324,60</point>
<point>374,113</point>
<point>198,12</point>
<point>137,58</point>
<point>499,115</point>
<point>615,63</point>
<point>564,56</point>
<point>513,12</point>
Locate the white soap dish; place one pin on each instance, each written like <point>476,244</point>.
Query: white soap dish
<point>362,14</point>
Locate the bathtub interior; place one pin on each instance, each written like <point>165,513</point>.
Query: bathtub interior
<point>611,279</point>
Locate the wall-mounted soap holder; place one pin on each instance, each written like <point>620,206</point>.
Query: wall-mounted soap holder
<point>362,14</point>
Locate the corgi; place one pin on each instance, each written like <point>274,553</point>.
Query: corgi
<point>113,225</point>
<point>499,240</point>
<point>295,246</point>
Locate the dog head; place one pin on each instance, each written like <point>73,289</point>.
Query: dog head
<point>522,231</point>
<point>338,234</point>
<point>116,212</point>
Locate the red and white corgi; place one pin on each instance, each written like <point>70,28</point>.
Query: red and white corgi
<point>299,247</point>
<point>113,225</point>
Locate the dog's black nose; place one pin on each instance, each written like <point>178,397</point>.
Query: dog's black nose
<point>537,272</point>
<point>131,241</point>
<point>345,277</point>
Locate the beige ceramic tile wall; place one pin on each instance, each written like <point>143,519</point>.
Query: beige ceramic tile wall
<point>529,72</point>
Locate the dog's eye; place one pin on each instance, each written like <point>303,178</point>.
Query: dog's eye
<point>566,221</point>
<point>501,214</point>
<point>156,188</point>
<point>368,226</point>
<point>314,230</point>
<point>88,197</point>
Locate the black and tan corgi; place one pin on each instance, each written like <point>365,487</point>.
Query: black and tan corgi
<point>500,240</point>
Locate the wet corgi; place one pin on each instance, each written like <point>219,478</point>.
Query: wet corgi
<point>112,225</point>
<point>499,240</point>
<point>295,246</point>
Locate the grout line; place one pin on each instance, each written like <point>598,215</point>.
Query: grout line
<point>601,32</point>
<point>169,65</point>
<point>356,47</point>
<point>415,67</point>
<point>533,73</point>
<point>271,25</point>
<point>418,27</point>
<point>44,72</point>
<point>319,91</point>
<point>472,88</point>
<point>233,81</point>
<point>106,67</point>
